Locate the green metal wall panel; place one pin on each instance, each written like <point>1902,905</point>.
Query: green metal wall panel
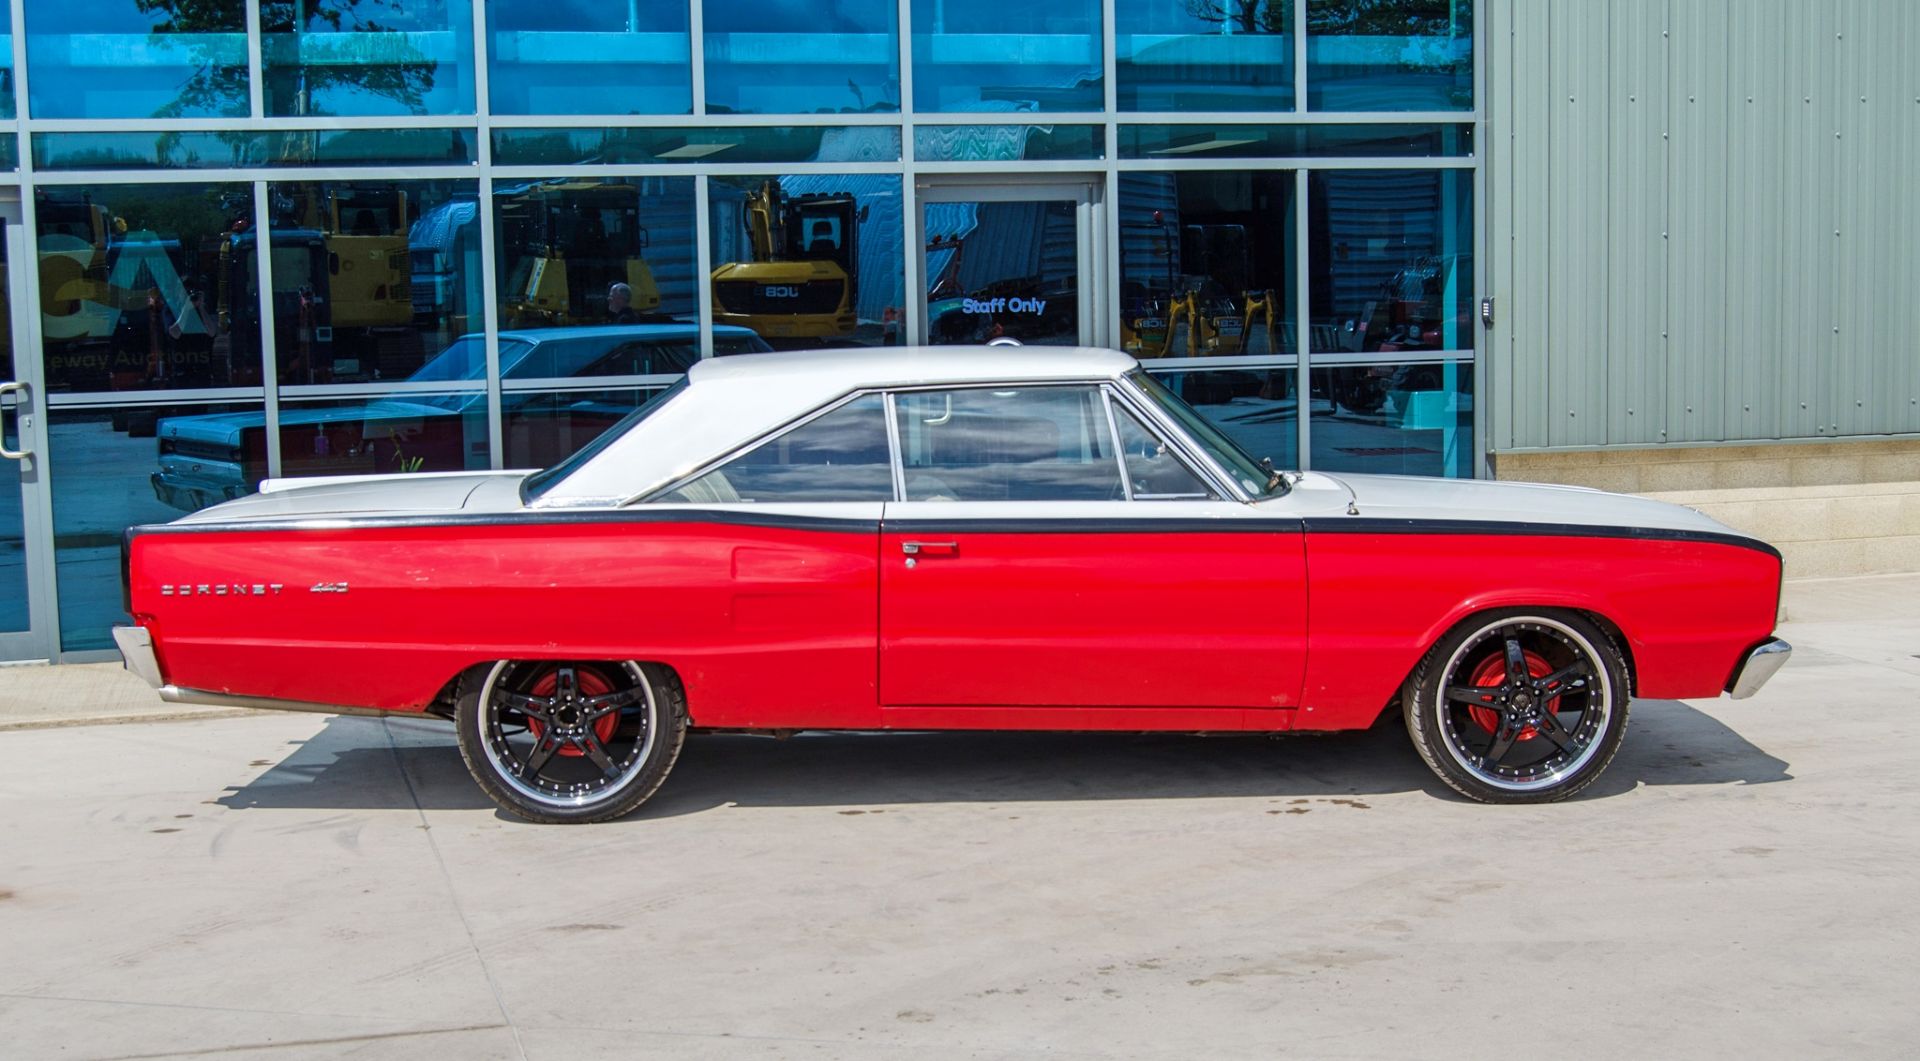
<point>1705,220</point>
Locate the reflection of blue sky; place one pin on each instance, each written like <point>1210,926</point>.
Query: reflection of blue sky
<point>802,56</point>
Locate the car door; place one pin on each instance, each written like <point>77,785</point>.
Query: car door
<point>768,583</point>
<point>1051,551</point>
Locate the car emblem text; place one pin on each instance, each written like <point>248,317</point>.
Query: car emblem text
<point>221,589</point>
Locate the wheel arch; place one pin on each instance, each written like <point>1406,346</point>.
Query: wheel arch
<point>1474,611</point>
<point>469,679</point>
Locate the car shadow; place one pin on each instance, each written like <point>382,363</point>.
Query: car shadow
<point>361,763</point>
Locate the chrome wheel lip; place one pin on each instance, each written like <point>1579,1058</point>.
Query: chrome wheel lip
<point>507,772</point>
<point>1470,762</point>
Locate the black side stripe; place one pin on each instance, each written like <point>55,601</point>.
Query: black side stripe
<point>1371,525</point>
<point>777,520</point>
<point>1115,525</point>
<point>1063,525</point>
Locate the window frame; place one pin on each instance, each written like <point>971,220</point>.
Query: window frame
<point>1111,393</point>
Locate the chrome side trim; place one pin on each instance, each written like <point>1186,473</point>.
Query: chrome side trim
<point>136,651</point>
<point>1758,666</point>
<point>174,694</point>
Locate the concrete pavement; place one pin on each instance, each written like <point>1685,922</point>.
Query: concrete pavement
<point>283,885</point>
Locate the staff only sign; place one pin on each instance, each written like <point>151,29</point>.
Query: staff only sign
<point>1035,306</point>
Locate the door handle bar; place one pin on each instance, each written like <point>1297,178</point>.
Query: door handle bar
<point>930,548</point>
<point>22,390</point>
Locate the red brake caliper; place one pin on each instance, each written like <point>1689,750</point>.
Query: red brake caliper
<point>1489,674</point>
<point>592,683</point>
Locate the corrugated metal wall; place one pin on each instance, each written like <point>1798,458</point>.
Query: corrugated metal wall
<point>1705,220</point>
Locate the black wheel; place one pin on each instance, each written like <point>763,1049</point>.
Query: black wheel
<point>561,741</point>
<point>1519,706</point>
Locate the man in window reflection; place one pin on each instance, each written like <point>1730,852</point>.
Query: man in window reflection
<point>620,305</point>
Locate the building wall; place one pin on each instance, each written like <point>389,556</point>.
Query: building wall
<point>1703,222</point>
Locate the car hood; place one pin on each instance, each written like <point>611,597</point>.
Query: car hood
<point>1483,500</point>
<point>417,494</point>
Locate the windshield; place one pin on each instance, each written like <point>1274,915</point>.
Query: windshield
<point>467,359</point>
<point>1254,476</point>
<point>537,484</point>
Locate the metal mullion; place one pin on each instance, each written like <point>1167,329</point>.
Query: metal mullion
<point>269,347</point>
<point>1206,363</point>
<point>1300,59</point>
<point>588,384</point>
<point>1283,118</point>
<point>1012,118</point>
<point>1484,148</point>
<point>371,389</point>
<point>1178,165</point>
<point>695,170</point>
<point>256,65</point>
<point>697,54</point>
<point>43,594</point>
<point>1303,322</point>
<point>241,176</point>
<point>1109,59</point>
<point>1078,166</point>
<point>680,121</point>
<point>913,254</point>
<point>703,263</point>
<point>286,123</point>
<point>98,399</point>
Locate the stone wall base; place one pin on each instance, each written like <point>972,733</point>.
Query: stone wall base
<point>1833,509</point>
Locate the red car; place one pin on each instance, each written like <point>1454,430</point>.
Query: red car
<point>935,539</point>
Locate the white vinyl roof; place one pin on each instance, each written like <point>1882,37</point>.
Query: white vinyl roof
<point>732,400</point>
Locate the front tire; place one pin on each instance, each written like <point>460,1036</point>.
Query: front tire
<point>571,742</point>
<point>1520,706</point>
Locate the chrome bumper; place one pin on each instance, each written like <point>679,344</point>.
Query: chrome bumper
<point>136,650</point>
<point>1760,664</point>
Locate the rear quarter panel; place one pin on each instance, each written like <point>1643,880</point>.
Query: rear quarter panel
<point>753,618</point>
<point>1686,610</point>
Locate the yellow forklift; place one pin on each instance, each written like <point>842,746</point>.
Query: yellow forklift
<point>802,279</point>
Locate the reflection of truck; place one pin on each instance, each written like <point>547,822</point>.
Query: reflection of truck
<point>803,276</point>
<point>575,239</point>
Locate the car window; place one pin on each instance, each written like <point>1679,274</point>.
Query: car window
<point>1029,444</point>
<point>1153,472</point>
<point>842,456</point>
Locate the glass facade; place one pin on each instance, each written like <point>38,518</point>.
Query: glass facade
<point>493,231</point>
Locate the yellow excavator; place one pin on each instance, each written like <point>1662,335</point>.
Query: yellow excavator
<point>802,281</point>
<point>370,276</point>
<point>577,239</point>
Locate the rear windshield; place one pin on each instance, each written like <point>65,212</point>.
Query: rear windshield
<point>537,484</point>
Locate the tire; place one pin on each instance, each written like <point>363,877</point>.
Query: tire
<point>571,741</point>
<point>1536,740</point>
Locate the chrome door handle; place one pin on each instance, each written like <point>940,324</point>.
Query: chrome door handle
<point>930,548</point>
<point>22,390</point>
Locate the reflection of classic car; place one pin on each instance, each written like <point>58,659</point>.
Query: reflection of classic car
<point>958,539</point>
<point>219,456</point>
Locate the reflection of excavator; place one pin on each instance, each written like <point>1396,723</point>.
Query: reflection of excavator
<point>576,239</point>
<point>1203,308</point>
<point>803,279</point>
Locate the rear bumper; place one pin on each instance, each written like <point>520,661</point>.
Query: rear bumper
<point>1759,665</point>
<point>136,650</point>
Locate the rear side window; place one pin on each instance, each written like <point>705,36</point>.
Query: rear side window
<point>842,456</point>
<point>1027,444</point>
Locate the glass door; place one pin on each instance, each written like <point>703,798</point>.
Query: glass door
<point>1007,261</point>
<point>24,560</point>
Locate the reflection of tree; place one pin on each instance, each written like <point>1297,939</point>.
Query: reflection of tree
<point>1245,16</point>
<point>1390,18</point>
<point>390,65</point>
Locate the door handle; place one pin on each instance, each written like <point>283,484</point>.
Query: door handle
<point>22,390</point>
<point>930,548</point>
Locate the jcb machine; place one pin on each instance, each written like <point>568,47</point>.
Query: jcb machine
<point>369,273</point>
<point>576,239</point>
<point>803,279</point>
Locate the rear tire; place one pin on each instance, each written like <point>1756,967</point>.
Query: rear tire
<point>1520,705</point>
<point>571,742</point>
